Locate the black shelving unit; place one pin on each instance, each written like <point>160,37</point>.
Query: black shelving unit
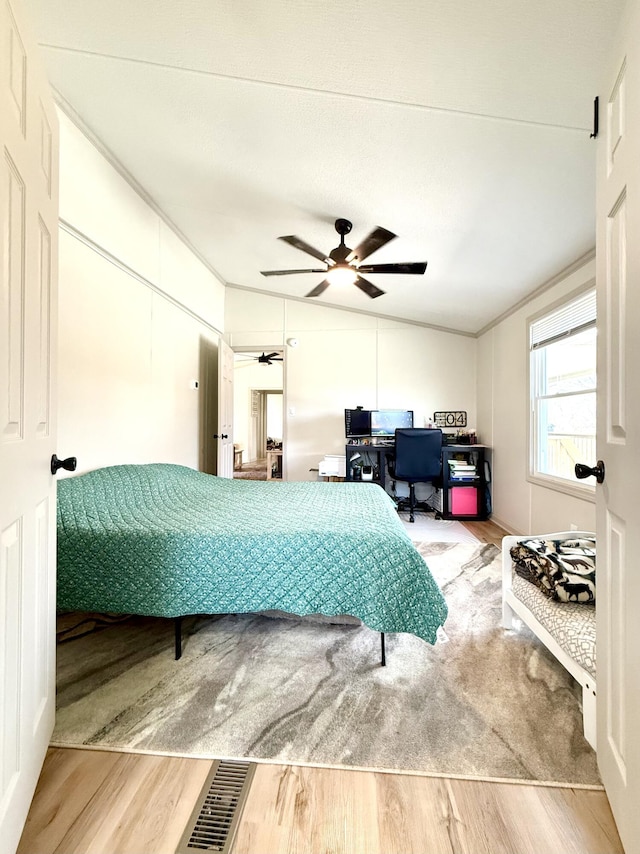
<point>375,454</point>
<point>464,483</point>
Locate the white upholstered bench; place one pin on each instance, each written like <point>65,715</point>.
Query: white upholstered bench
<point>567,629</point>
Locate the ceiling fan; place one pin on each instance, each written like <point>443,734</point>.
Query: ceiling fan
<point>266,358</point>
<point>344,265</point>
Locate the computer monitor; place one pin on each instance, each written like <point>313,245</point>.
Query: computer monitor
<point>385,421</point>
<point>357,423</point>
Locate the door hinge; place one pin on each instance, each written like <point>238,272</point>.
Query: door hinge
<point>596,118</point>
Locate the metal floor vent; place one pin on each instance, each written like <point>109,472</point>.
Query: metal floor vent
<point>214,820</point>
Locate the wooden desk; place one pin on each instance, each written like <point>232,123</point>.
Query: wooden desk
<point>274,460</point>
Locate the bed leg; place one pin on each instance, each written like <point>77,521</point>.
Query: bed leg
<point>178,633</point>
<point>508,616</point>
<point>589,713</point>
<point>383,657</point>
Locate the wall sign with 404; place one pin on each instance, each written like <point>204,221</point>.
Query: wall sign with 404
<point>450,419</point>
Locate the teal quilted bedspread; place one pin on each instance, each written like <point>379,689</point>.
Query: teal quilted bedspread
<point>165,540</point>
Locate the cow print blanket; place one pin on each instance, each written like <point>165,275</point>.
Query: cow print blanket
<point>564,570</point>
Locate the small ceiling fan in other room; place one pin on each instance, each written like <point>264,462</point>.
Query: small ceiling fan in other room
<point>265,358</point>
<point>344,265</point>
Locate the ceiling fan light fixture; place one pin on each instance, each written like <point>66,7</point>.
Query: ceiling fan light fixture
<point>344,266</point>
<point>342,274</point>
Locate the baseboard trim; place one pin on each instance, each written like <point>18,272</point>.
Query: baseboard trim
<point>502,524</point>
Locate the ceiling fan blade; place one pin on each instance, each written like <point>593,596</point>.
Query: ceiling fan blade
<point>368,287</point>
<point>288,272</point>
<point>273,355</point>
<point>319,289</point>
<point>378,237</point>
<point>414,268</point>
<point>292,240</point>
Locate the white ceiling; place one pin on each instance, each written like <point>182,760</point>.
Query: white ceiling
<point>462,126</point>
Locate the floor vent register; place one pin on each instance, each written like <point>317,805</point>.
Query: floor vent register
<point>214,820</point>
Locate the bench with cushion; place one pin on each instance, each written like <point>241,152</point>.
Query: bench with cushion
<point>567,629</point>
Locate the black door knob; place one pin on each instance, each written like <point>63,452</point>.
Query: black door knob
<point>68,465</point>
<point>221,436</point>
<point>597,471</point>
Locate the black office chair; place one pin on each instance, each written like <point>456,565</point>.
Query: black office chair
<point>417,459</point>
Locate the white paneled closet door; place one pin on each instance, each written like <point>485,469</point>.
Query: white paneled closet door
<point>618,498</point>
<point>28,265</point>
<point>224,435</point>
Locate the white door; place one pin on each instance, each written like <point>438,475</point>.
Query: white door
<point>224,434</point>
<point>28,265</point>
<point>618,499</point>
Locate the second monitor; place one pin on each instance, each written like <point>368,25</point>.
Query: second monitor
<point>385,421</point>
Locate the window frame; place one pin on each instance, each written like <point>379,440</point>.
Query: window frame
<point>584,490</point>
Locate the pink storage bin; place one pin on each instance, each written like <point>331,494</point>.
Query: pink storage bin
<point>464,501</point>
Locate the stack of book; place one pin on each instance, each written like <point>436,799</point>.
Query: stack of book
<point>462,470</point>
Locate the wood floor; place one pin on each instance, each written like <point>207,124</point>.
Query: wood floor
<point>95,802</point>
<point>100,802</point>
<point>487,532</point>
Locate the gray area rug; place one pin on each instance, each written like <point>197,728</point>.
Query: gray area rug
<point>483,703</point>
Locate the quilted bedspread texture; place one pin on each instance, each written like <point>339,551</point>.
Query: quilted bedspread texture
<point>165,540</point>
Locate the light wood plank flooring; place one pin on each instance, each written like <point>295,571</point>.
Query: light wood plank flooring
<point>487,532</point>
<point>99,802</point>
<point>95,802</point>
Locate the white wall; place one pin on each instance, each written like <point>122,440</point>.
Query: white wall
<point>503,412</point>
<point>128,350</point>
<point>345,359</point>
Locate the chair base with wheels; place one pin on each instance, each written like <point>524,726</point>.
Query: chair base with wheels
<point>411,504</point>
<point>403,504</point>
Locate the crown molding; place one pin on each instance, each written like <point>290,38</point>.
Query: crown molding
<point>113,161</point>
<point>550,283</point>
<point>391,317</point>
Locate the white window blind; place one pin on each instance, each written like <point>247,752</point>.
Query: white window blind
<point>569,319</point>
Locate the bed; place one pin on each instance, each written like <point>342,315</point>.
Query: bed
<point>567,629</point>
<point>167,541</point>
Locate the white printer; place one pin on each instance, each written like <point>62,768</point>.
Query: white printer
<point>332,465</point>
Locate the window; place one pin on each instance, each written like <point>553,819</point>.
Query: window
<point>563,391</point>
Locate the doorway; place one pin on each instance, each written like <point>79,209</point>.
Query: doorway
<point>258,414</point>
